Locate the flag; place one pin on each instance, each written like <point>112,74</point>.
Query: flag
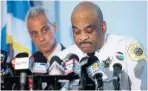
<point>3,34</point>
<point>14,30</point>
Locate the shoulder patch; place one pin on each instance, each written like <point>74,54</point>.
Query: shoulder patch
<point>136,52</point>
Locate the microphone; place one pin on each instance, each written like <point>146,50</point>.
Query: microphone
<point>39,57</point>
<point>96,72</point>
<point>72,69</point>
<point>22,62</point>
<point>92,70</point>
<point>56,69</point>
<point>22,65</point>
<point>3,71</point>
<point>117,69</point>
<point>72,65</point>
<point>39,68</point>
<point>98,81</point>
<point>56,66</point>
<point>86,82</point>
<point>40,65</point>
<point>3,56</point>
<point>22,54</point>
<point>3,59</point>
<point>30,77</point>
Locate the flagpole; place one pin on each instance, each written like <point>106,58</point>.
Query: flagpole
<point>11,51</point>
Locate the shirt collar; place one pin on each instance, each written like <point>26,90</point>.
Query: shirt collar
<point>106,36</point>
<point>58,49</point>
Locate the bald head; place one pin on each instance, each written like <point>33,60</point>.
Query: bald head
<point>87,6</point>
<point>88,27</point>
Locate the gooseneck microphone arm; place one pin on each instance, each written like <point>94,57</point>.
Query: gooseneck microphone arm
<point>116,82</point>
<point>117,70</point>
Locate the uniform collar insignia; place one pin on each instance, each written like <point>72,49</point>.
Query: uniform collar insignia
<point>107,62</point>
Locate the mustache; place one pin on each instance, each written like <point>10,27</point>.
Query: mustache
<point>85,42</point>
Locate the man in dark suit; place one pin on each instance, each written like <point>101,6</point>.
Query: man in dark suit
<point>42,31</point>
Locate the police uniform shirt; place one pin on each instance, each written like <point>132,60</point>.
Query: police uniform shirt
<point>144,78</point>
<point>129,53</point>
<point>117,49</point>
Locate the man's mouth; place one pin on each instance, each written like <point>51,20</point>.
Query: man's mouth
<point>85,43</point>
<point>44,45</point>
<point>85,46</point>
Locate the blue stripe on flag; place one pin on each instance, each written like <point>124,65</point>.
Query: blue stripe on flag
<point>19,10</point>
<point>32,3</point>
<point>4,45</point>
<point>15,7</point>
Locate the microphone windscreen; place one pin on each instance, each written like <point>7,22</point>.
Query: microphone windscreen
<point>117,65</point>
<point>39,57</point>
<point>4,56</point>
<point>22,54</point>
<point>92,59</point>
<point>84,61</point>
<point>55,58</point>
<point>74,56</point>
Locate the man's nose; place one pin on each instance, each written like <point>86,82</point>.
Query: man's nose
<point>83,36</point>
<point>41,37</point>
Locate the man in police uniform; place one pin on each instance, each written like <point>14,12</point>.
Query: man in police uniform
<point>89,30</point>
<point>42,30</point>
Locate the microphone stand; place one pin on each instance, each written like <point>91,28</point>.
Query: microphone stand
<point>22,80</point>
<point>39,83</point>
<point>81,84</point>
<point>98,81</point>
<point>30,82</point>
<point>55,83</point>
<point>116,82</point>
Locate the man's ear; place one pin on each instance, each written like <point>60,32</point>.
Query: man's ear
<point>104,27</point>
<point>55,26</point>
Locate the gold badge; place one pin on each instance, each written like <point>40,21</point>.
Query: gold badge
<point>96,66</point>
<point>136,52</point>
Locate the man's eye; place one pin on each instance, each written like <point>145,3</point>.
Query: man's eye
<point>89,30</point>
<point>76,31</point>
<point>45,29</point>
<point>34,34</point>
